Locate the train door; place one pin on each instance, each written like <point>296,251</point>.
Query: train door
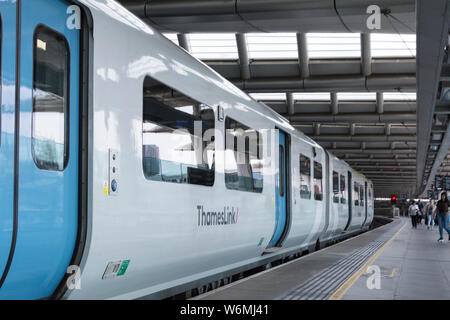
<point>281,192</point>
<point>48,150</point>
<point>350,200</point>
<point>7,114</point>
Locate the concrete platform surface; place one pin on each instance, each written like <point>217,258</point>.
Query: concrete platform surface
<point>391,262</point>
<point>413,267</point>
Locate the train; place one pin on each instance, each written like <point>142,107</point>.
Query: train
<point>129,169</point>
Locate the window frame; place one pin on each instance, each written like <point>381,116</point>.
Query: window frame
<point>67,99</point>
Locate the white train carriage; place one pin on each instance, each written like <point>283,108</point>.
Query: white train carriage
<point>162,204</point>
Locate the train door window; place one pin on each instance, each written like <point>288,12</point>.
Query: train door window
<point>318,193</point>
<point>178,137</point>
<point>50,117</point>
<point>356,193</point>
<point>281,172</point>
<point>361,195</point>
<point>305,177</point>
<point>343,189</point>
<point>335,187</point>
<point>243,158</point>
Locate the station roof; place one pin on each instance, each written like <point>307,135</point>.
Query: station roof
<point>351,89</point>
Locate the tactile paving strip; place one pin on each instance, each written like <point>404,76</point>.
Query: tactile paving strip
<point>323,285</point>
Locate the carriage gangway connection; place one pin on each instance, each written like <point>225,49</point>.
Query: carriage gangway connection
<point>392,262</point>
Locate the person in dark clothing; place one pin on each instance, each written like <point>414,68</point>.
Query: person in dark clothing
<point>413,211</point>
<point>420,215</point>
<point>442,215</point>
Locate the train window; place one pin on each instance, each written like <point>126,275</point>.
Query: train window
<point>281,172</point>
<point>356,193</point>
<point>343,196</point>
<point>305,177</point>
<point>178,137</point>
<point>50,117</point>
<point>335,187</point>
<point>243,157</point>
<point>318,194</point>
<point>361,195</point>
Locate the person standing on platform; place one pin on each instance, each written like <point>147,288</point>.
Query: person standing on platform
<point>429,214</point>
<point>420,215</point>
<point>442,215</point>
<point>413,210</point>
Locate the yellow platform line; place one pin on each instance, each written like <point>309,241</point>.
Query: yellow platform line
<point>351,281</point>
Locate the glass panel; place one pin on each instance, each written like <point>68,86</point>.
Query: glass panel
<point>178,137</point>
<point>214,46</point>
<point>243,158</point>
<point>356,193</point>
<point>272,45</point>
<point>393,45</point>
<point>312,96</point>
<point>305,177</point>
<point>50,100</point>
<point>281,171</point>
<point>343,193</point>
<point>361,196</point>
<point>335,187</point>
<point>400,96</point>
<point>318,194</point>
<point>268,96</point>
<point>357,96</point>
<point>334,45</point>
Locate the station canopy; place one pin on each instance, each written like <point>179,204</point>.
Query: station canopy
<point>351,89</point>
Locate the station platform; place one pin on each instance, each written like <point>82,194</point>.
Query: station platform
<point>392,262</point>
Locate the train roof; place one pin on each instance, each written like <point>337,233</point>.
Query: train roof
<point>205,84</point>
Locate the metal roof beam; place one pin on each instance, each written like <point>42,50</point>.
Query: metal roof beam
<point>267,68</point>
<point>353,117</point>
<point>382,160</point>
<point>370,151</point>
<point>290,103</point>
<point>183,41</point>
<point>303,58</point>
<point>432,21</point>
<point>334,103</point>
<point>362,137</point>
<point>268,15</point>
<point>244,62</point>
<point>405,82</point>
<point>366,54</point>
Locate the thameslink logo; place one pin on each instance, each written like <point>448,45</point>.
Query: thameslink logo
<point>217,218</point>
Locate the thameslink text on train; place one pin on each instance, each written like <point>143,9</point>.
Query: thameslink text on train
<point>214,218</point>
